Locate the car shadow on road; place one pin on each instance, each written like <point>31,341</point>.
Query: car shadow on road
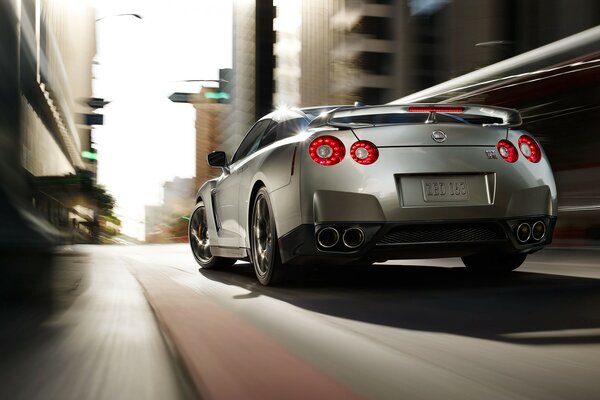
<point>521,307</point>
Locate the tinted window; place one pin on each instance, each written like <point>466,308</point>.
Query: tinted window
<point>383,119</point>
<point>313,113</point>
<point>283,130</point>
<point>252,140</point>
<point>414,118</point>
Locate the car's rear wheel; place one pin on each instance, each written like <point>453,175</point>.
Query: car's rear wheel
<point>493,262</point>
<point>200,242</point>
<point>263,241</point>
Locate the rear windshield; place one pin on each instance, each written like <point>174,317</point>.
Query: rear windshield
<point>314,112</point>
<point>413,118</point>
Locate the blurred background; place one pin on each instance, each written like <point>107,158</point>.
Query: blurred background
<point>93,150</point>
<point>108,109</point>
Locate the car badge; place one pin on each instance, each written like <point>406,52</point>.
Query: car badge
<point>491,154</point>
<point>439,136</point>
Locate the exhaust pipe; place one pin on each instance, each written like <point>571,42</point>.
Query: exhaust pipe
<point>538,231</point>
<point>353,237</point>
<point>523,232</point>
<point>328,237</point>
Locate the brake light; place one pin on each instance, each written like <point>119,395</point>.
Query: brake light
<point>440,109</point>
<point>530,149</point>
<point>364,152</point>
<point>507,151</point>
<point>327,150</point>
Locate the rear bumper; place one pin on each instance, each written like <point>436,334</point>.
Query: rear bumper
<point>414,239</point>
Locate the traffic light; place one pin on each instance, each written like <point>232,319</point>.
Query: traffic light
<point>218,96</point>
<point>90,155</point>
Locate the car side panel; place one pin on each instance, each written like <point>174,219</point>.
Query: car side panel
<point>225,201</point>
<point>205,194</point>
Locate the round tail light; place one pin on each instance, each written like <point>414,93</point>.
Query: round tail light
<point>507,151</point>
<point>364,152</point>
<point>327,150</point>
<point>530,149</point>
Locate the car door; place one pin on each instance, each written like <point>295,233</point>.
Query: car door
<point>226,192</point>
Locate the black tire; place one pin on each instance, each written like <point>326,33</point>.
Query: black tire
<point>200,244</point>
<point>493,262</point>
<point>263,241</point>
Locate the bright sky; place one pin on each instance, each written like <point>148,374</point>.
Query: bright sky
<point>146,139</point>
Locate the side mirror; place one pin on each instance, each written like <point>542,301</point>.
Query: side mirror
<point>217,159</point>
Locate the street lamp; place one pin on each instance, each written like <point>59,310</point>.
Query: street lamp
<point>138,16</point>
<point>493,43</point>
<point>221,95</point>
<point>502,48</point>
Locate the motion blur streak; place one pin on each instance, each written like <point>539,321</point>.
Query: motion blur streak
<point>140,322</point>
<point>99,341</point>
<point>566,333</point>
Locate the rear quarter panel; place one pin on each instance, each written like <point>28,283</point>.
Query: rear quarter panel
<point>271,167</point>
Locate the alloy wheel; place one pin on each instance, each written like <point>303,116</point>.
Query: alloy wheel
<point>199,236</point>
<point>262,237</point>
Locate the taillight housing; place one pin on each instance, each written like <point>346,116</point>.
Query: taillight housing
<point>327,150</point>
<point>507,151</point>
<point>530,149</point>
<point>364,152</point>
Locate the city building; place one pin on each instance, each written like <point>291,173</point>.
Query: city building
<point>213,112</point>
<point>167,222</point>
<point>46,53</point>
<point>391,48</point>
<point>378,51</point>
<point>314,52</point>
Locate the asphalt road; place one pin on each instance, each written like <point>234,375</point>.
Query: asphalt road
<point>95,338</point>
<point>421,329</point>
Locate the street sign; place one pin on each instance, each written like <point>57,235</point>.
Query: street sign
<point>96,102</point>
<point>94,119</point>
<point>179,97</point>
<point>217,95</point>
<point>89,155</point>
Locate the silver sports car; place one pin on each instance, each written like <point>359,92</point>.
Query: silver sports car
<point>346,185</point>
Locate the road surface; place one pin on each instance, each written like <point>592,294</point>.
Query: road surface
<point>421,329</point>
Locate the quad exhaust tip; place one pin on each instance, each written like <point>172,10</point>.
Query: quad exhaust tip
<point>523,232</point>
<point>538,230</point>
<point>353,237</point>
<point>328,237</point>
<point>534,231</point>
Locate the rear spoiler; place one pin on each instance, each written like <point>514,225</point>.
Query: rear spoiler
<point>509,116</point>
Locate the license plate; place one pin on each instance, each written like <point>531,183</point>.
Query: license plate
<point>445,189</point>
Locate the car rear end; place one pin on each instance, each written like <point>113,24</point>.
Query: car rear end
<point>433,185</point>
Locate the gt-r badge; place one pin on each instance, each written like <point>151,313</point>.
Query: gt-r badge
<point>491,154</point>
<point>439,136</point>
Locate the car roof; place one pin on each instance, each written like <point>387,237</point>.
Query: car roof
<point>284,113</point>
